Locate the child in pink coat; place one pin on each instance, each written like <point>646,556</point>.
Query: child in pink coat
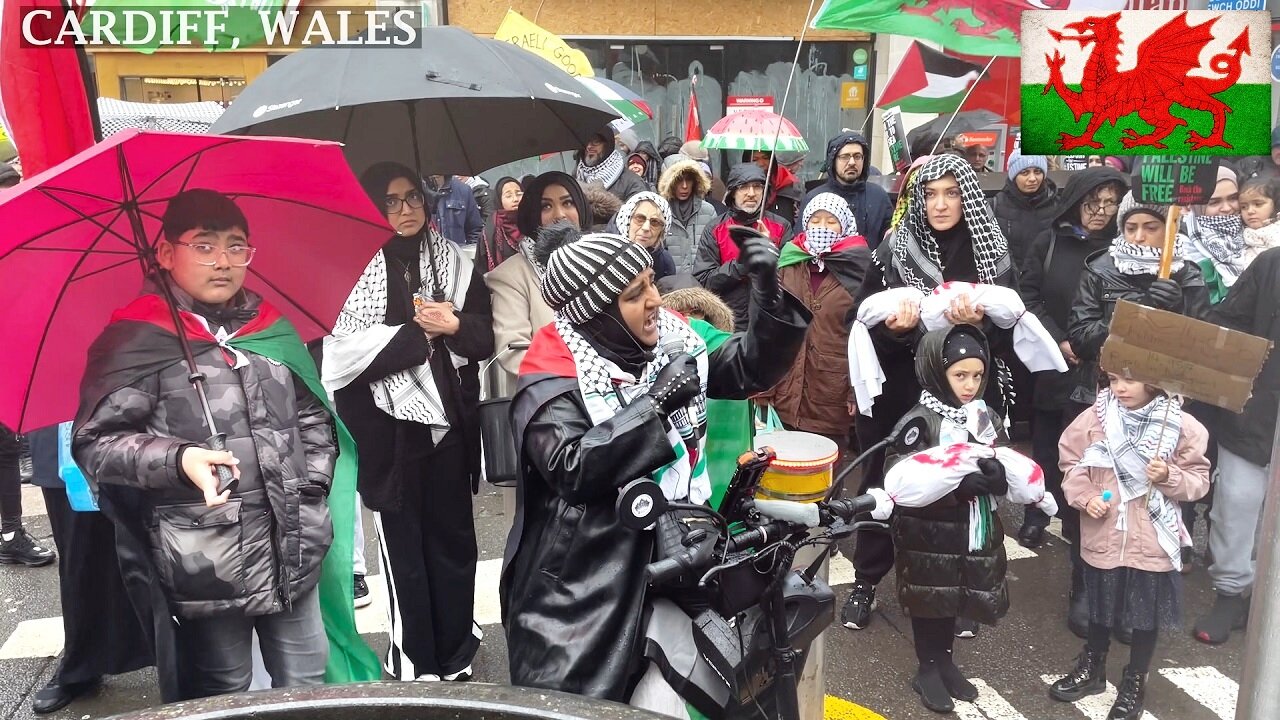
<point>1127,462</point>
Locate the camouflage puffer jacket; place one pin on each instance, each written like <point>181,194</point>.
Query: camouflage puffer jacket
<point>262,549</point>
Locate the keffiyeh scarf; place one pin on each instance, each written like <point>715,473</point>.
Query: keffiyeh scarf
<point>1220,239</point>
<point>606,172</point>
<point>1133,259</point>
<point>1133,439</point>
<point>819,241</point>
<point>360,334</point>
<point>606,389</point>
<point>916,255</point>
<point>623,218</point>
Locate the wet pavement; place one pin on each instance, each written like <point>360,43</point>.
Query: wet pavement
<point>872,667</point>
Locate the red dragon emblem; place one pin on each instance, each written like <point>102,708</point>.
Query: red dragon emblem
<point>1159,81</point>
<point>988,17</point>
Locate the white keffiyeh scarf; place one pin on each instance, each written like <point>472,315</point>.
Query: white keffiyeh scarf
<point>1133,439</point>
<point>1133,259</point>
<point>361,333</point>
<point>606,389</point>
<point>606,172</point>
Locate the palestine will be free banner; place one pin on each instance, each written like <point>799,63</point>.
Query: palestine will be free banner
<point>1146,83</point>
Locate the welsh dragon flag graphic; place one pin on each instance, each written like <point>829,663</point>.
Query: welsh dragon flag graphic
<point>1146,83</point>
<point>985,27</point>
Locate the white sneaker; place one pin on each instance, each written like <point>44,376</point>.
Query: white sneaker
<point>428,677</point>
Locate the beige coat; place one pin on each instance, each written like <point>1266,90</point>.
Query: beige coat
<point>518,308</point>
<point>1101,544</point>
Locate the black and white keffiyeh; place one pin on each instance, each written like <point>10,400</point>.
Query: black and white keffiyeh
<point>972,418</point>
<point>606,388</point>
<point>1133,439</point>
<point>819,241</point>
<point>623,217</point>
<point>1131,259</point>
<point>360,334</point>
<point>916,255</point>
<point>1220,239</point>
<point>606,172</point>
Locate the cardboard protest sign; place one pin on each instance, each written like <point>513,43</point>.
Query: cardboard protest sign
<point>1175,179</point>
<point>1184,356</point>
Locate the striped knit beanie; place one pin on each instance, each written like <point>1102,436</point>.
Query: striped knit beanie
<point>586,276</point>
<point>1129,206</point>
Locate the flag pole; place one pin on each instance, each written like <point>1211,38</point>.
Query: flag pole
<point>782,109</point>
<point>955,112</point>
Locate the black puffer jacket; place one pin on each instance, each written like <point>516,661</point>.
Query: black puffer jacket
<point>1051,273</point>
<point>261,550</point>
<point>937,575</point>
<point>1023,217</point>
<point>573,588</point>
<point>1101,286</point>
<point>1253,306</point>
<point>869,202</point>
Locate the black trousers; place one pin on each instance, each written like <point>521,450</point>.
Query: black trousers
<point>429,554</point>
<point>10,482</point>
<point>103,634</point>
<point>933,638</point>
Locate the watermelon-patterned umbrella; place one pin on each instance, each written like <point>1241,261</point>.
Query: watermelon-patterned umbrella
<point>628,104</point>
<point>755,130</point>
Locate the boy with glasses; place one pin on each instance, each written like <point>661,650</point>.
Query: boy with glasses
<point>217,564</point>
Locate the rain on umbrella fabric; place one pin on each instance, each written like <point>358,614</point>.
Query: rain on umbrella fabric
<point>755,130</point>
<point>460,103</point>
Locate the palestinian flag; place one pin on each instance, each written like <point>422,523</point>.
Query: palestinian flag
<point>1144,83</point>
<point>928,81</point>
<point>142,339</point>
<point>988,27</point>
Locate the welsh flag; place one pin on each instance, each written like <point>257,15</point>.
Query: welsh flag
<point>928,81</point>
<point>989,27</point>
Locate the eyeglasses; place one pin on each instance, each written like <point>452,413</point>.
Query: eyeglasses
<point>639,221</point>
<point>847,158</point>
<point>392,204</point>
<point>207,255</point>
<point>1103,208</point>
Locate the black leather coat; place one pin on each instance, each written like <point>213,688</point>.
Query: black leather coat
<point>573,584</point>
<point>938,575</point>
<point>1101,286</point>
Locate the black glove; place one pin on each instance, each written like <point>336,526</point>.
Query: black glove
<point>993,470</point>
<point>989,480</point>
<point>759,256</point>
<point>677,384</point>
<point>971,486</point>
<point>1163,295</point>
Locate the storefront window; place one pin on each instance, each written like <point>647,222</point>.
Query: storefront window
<point>181,89</point>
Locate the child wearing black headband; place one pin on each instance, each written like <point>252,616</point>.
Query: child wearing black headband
<point>941,581</point>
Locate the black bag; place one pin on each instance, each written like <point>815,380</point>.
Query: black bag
<point>501,466</point>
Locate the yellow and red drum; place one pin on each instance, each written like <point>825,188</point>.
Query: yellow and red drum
<point>802,471</point>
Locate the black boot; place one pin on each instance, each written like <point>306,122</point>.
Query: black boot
<point>1089,678</point>
<point>1078,605</point>
<point>933,691</point>
<point>1129,697</point>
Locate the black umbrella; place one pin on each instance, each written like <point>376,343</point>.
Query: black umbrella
<point>459,104</point>
<point>922,139</point>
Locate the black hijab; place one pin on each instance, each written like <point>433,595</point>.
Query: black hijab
<point>529,213</point>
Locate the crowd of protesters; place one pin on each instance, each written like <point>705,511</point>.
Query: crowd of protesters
<point>572,283</point>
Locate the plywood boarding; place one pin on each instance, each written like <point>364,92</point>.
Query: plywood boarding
<point>649,18</point>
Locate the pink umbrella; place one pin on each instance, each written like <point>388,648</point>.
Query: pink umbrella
<point>79,237</point>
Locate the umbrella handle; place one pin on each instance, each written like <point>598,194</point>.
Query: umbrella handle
<point>226,480</point>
